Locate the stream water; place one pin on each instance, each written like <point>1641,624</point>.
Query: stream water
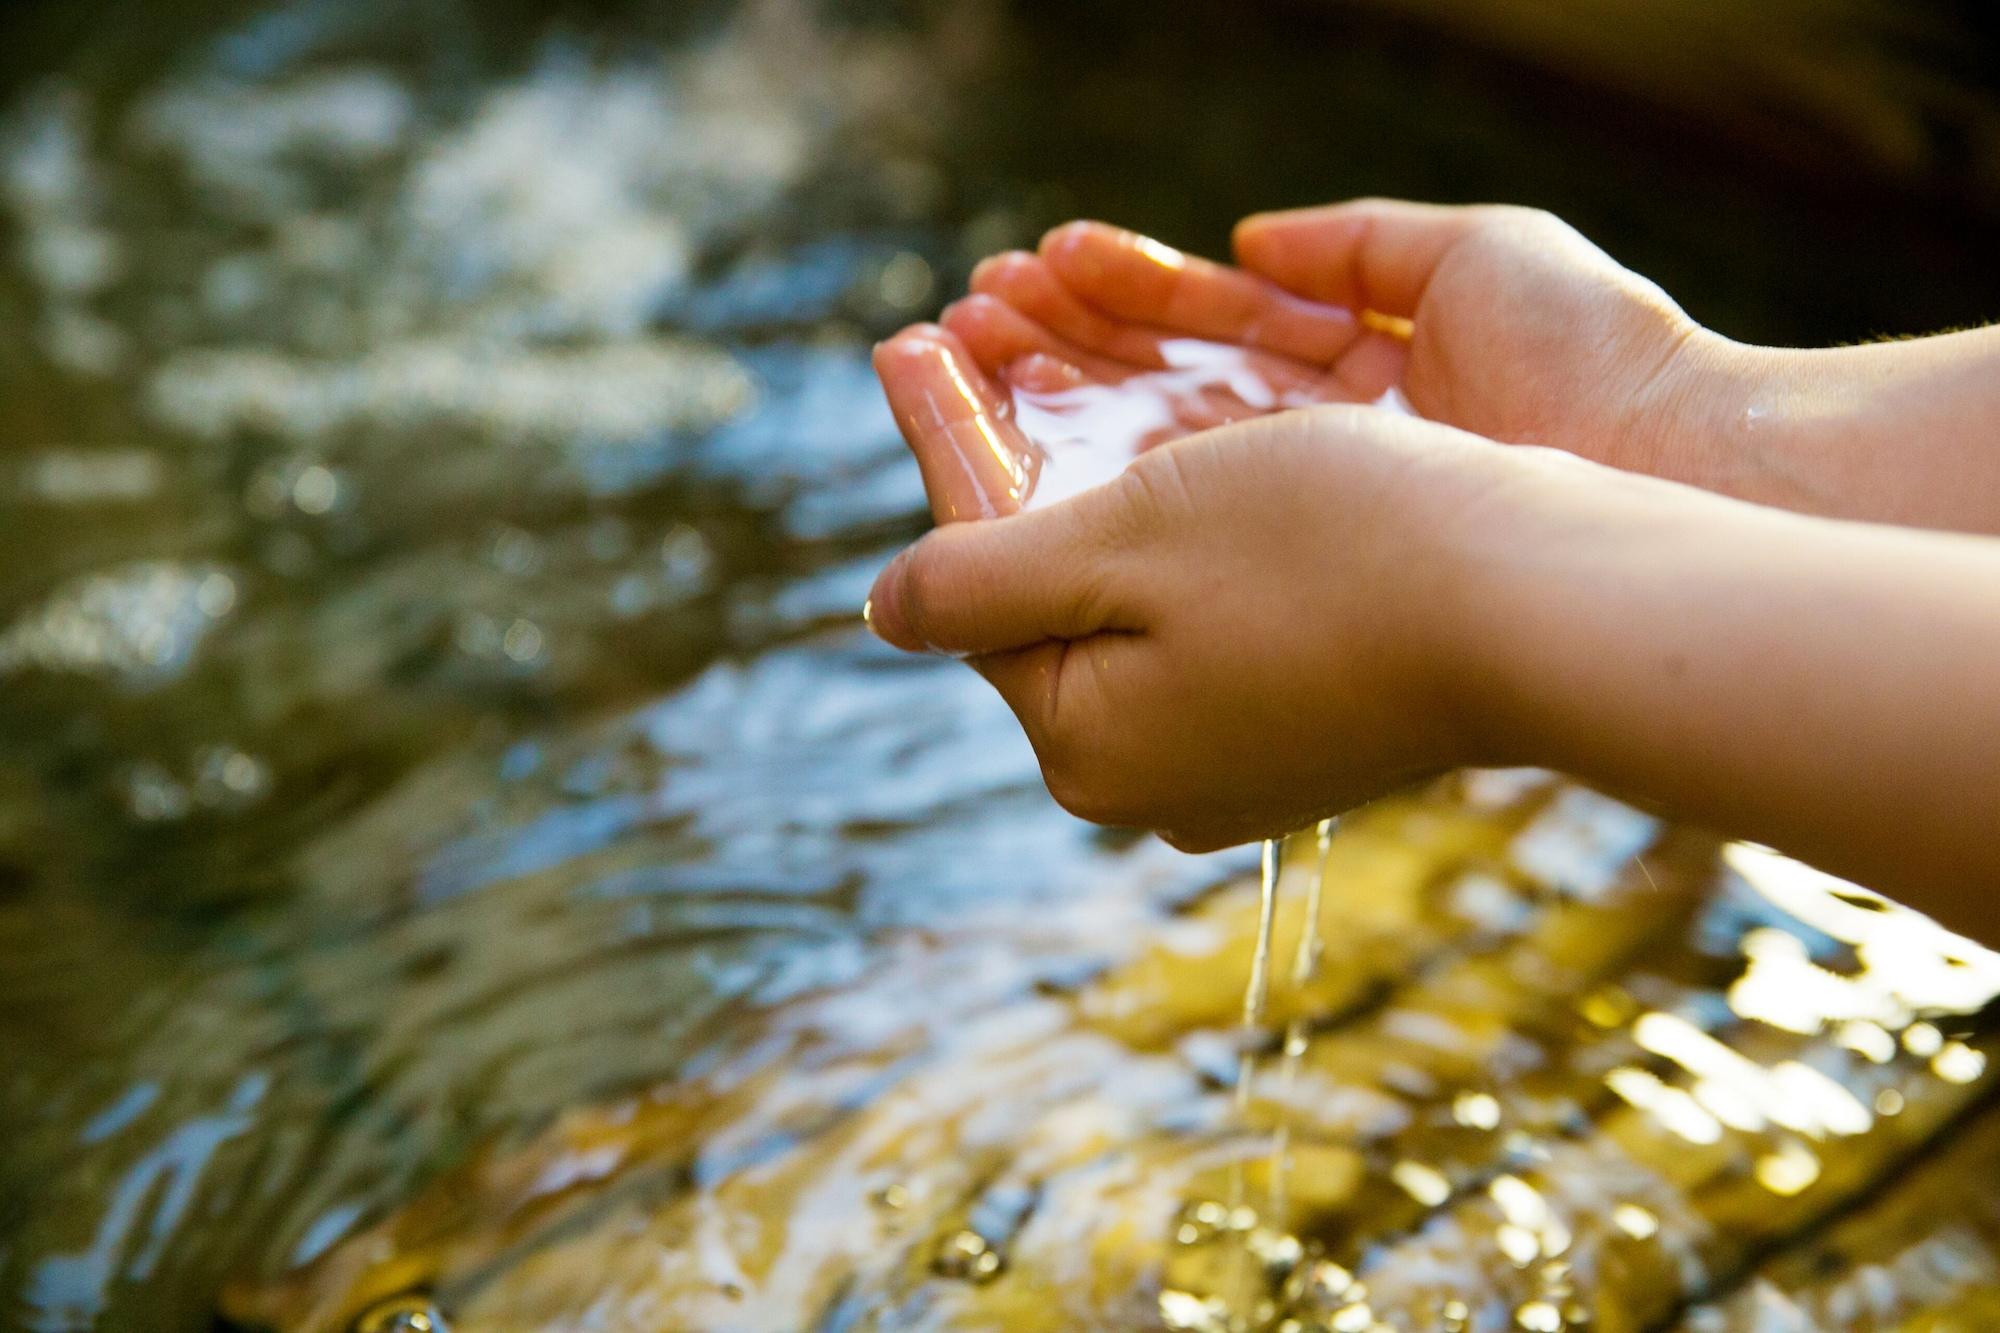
<point>461,859</point>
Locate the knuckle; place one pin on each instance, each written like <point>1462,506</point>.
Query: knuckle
<point>1507,228</point>
<point>1094,593</point>
<point>1155,489</point>
<point>1497,216</point>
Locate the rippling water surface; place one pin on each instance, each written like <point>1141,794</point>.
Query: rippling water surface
<point>456,841</point>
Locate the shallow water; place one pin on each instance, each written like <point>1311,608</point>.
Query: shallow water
<point>441,472</point>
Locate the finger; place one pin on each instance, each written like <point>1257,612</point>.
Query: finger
<point>1028,285</point>
<point>998,335</point>
<point>1001,336</point>
<point>1131,277</point>
<point>984,588</point>
<point>1210,385</point>
<point>975,461</point>
<point>1370,254</point>
<point>1372,367</point>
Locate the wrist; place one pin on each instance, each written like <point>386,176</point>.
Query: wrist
<point>1707,418</point>
<point>1536,577</point>
<point>1482,528</point>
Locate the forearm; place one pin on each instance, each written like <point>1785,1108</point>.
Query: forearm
<point>1832,689</point>
<point>1900,432</point>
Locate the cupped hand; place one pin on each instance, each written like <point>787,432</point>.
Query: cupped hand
<point>1242,632</point>
<point>1024,393</point>
<point>1499,320</point>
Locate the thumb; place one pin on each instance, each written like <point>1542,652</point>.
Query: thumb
<point>1367,254</point>
<point>1006,583</point>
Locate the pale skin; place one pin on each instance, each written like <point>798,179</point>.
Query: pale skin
<point>1756,588</point>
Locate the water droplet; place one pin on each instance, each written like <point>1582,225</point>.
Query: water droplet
<point>522,642</point>
<point>316,490</point>
<point>967,1256</point>
<point>905,282</point>
<point>215,595</point>
<point>154,795</point>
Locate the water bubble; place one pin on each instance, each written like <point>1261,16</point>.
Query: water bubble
<point>515,552</point>
<point>226,776</point>
<point>215,595</point>
<point>967,1256</point>
<point>522,642</point>
<point>153,794</point>
<point>316,490</point>
<point>685,555</point>
<point>905,282</point>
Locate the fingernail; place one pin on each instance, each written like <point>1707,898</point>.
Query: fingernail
<point>884,611</point>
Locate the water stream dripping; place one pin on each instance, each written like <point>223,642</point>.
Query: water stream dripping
<point>1306,958</point>
<point>1256,997</point>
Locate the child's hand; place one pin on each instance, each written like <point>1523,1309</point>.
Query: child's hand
<point>1241,633</point>
<point>990,397</point>
<point>1518,328</point>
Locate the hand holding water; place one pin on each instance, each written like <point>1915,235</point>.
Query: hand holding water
<point>1520,330</point>
<point>1235,636</point>
<point>1288,603</point>
<point>1029,395</point>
